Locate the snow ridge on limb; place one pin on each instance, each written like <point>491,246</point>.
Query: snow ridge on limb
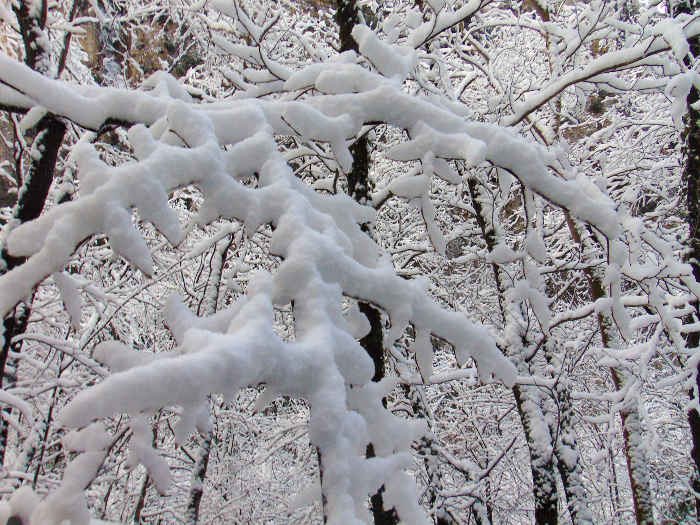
<point>386,103</point>
<point>612,61</point>
<point>325,259</point>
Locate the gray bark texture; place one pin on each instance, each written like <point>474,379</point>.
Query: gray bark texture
<point>635,455</point>
<point>532,419</point>
<point>33,191</point>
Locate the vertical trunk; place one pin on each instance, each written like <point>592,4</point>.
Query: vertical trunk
<point>358,189</point>
<point>32,22</point>
<point>561,427</point>
<point>564,442</point>
<point>539,444</point>
<point>373,342</point>
<point>199,475</point>
<point>629,414</point>
<point>346,17</point>
<point>31,199</point>
<point>691,179</point>
<point>141,502</point>
<point>34,188</point>
<point>568,464</point>
<point>324,498</point>
<point>143,493</point>
<point>531,416</point>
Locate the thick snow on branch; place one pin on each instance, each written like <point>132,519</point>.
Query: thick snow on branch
<point>326,257</point>
<point>442,19</point>
<point>332,118</point>
<point>668,35</point>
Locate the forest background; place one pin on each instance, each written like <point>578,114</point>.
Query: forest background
<point>276,261</point>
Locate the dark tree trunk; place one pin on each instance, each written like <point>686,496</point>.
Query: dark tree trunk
<point>635,454</point>
<point>373,342</point>
<point>691,179</point>
<point>380,515</point>
<point>568,463</point>
<point>33,190</point>
<point>31,199</point>
<point>541,457</point>
<point>358,189</point>
<point>141,502</point>
<point>544,483</point>
<point>346,17</point>
<point>32,28</point>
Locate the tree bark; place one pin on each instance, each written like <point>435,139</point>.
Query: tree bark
<point>635,455</point>
<point>33,191</point>
<point>568,461</point>
<point>544,483</point>
<point>691,180</point>
<point>531,417</point>
<point>31,199</point>
<point>358,188</point>
<point>31,24</point>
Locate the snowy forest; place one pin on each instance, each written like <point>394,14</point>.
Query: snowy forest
<point>347,262</point>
